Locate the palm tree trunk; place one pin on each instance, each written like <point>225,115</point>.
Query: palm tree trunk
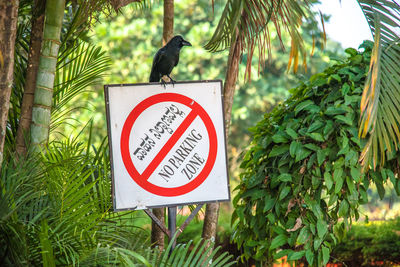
<point>43,98</point>
<point>31,75</point>
<point>157,235</point>
<point>8,32</point>
<point>168,27</point>
<point>212,209</point>
<point>230,80</point>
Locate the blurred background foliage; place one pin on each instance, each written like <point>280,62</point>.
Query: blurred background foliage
<point>133,37</point>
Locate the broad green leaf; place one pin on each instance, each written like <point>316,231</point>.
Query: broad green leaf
<point>345,89</point>
<point>325,255</point>
<point>315,126</point>
<point>355,174</point>
<point>271,218</point>
<point>279,138</point>
<point>336,77</point>
<point>301,154</point>
<point>299,107</point>
<point>278,241</point>
<point>310,256</point>
<point>380,188</point>
<point>313,109</point>
<point>312,147</point>
<point>335,111</point>
<point>322,228</point>
<point>296,255</point>
<point>317,243</point>
<point>339,179</point>
<point>315,181</point>
<point>363,194</point>
<point>278,150</point>
<point>269,203</point>
<point>312,228</point>
<point>294,147</point>
<point>285,177</point>
<point>303,235</point>
<point>343,209</point>
<point>317,137</point>
<point>332,199</point>
<point>350,185</point>
<point>328,129</point>
<point>291,133</point>
<point>285,191</point>
<point>344,119</point>
<point>316,209</point>
<point>321,155</point>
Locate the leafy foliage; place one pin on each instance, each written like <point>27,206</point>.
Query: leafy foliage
<point>301,173</point>
<point>80,65</point>
<point>56,207</point>
<point>201,254</point>
<point>247,21</point>
<point>370,243</point>
<point>83,66</point>
<point>132,43</point>
<point>56,210</point>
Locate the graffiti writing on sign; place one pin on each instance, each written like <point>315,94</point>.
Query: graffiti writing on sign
<point>161,127</point>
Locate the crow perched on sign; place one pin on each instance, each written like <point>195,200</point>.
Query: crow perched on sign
<point>167,58</point>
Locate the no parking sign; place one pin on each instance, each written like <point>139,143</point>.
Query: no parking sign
<point>167,144</point>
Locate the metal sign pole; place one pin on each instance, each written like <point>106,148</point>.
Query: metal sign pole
<point>170,232</point>
<point>172,224</point>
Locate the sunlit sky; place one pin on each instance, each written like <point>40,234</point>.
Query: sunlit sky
<point>347,24</point>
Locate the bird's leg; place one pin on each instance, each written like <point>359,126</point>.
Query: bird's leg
<point>163,83</point>
<point>172,81</point>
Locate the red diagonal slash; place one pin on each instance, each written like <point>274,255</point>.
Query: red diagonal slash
<point>168,145</point>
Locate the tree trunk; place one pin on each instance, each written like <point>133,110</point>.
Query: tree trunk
<point>230,81</point>
<point>43,98</point>
<point>8,32</point>
<point>168,28</point>
<point>212,209</point>
<point>157,235</point>
<point>31,75</point>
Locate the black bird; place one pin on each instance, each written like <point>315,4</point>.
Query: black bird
<point>167,58</point>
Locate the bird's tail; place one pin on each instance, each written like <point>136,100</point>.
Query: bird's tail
<point>154,76</point>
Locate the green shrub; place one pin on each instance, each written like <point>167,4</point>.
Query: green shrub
<point>369,243</point>
<point>301,173</point>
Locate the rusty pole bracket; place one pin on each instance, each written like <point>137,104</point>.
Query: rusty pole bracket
<point>181,228</point>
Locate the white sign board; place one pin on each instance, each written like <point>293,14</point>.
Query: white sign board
<point>167,144</point>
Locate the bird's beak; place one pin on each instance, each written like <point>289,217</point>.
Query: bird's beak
<point>186,43</point>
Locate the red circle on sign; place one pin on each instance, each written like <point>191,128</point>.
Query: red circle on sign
<point>142,179</point>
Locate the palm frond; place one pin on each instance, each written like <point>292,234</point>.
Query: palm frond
<point>202,254</point>
<point>249,20</point>
<point>83,66</point>
<point>20,190</point>
<point>380,105</point>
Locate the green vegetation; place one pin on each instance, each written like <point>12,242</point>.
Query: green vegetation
<point>370,243</point>
<point>131,47</point>
<point>302,185</point>
<point>56,209</point>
